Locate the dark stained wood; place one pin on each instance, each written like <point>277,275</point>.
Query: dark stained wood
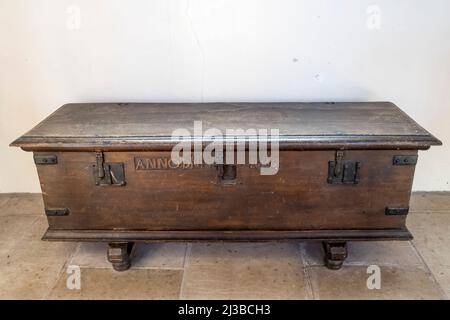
<point>298,197</point>
<point>113,126</point>
<point>225,203</point>
<point>239,235</point>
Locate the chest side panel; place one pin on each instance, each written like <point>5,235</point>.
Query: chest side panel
<point>160,196</point>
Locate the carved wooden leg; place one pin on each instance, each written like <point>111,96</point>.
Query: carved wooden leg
<point>335,254</point>
<point>119,254</point>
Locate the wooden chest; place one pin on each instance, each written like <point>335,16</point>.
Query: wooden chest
<point>330,172</point>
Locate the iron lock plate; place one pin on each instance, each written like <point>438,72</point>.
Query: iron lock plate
<point>113,174</point>
<point>108,173</point>
<point>343,171</point>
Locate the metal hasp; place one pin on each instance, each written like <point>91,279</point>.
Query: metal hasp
<point>108,174</point>
<point>343,171</point>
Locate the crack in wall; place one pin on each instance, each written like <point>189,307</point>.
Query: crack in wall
<point>199,45</point>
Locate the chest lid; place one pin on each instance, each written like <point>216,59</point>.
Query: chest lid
<point>126,126</point>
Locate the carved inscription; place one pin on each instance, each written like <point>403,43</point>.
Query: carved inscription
<point>166,163</point>
<point>163,163</point>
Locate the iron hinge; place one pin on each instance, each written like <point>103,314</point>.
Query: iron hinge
<point>56,212</point>
<point>404,160</point>
<point>45,159</point>
<point>343,171</point>
<point>396,211</point>
<point>108,173</point>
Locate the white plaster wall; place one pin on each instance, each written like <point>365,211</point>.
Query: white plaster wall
<point>56,51</point>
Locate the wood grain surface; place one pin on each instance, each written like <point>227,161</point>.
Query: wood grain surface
<point>298,197</point>
<point>125,126</point>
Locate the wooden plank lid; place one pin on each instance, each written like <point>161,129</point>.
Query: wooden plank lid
<point>150,126</point>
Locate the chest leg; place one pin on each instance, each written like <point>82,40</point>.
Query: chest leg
<point>335,254</point>
<point>119,254</point>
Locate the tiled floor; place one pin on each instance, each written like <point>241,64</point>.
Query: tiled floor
<point>34,269</point>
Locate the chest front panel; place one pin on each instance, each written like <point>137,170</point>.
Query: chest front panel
<point>152,193</point>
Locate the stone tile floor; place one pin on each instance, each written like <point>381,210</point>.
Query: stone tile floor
<point>35,269</point>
